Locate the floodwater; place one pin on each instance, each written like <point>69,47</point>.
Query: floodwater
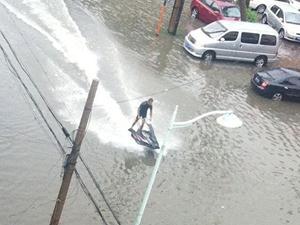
<point>210,176</point>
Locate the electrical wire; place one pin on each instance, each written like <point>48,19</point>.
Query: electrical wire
<point>66,133</point>
<point>36,87</point>
<point>13,70</point>
<point>96,183</point>
<point>63,129</point>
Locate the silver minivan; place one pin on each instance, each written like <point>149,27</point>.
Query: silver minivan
<point>234,40</point>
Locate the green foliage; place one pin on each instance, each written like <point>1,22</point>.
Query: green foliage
<point>251,16</point>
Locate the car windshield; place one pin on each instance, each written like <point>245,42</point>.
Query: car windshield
<point>214,30</point>
<point>292,18</point>
<point>231,11</point>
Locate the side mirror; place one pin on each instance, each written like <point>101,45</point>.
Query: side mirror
<point>222,39</point>
<point>281,20</point>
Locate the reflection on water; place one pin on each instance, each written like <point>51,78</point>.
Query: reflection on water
<point>217,176</point>
<point>211,175</point>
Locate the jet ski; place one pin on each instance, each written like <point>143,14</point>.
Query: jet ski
<point>145,138</point>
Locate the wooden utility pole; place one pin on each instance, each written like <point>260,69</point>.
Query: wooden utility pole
<point>175,17</point>
<point>72,158</point>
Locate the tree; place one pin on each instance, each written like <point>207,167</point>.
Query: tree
<point>247,3</point>
<point>243,8</point>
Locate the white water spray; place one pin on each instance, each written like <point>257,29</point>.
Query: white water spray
<point>66,37</point>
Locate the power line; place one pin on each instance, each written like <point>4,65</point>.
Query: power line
<point>66,133</point>
<point>15,73</point>
<point>97,184</point>
<point>34,84</point>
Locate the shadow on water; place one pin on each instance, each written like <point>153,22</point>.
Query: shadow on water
<point>266,105</point>
<point>149,157</point>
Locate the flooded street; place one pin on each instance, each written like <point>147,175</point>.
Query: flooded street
<point>210,176</point>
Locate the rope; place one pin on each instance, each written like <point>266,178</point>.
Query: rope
<point>158,92</point>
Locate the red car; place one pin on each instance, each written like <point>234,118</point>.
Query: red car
<point>211,10</point>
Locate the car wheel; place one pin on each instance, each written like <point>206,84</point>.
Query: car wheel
<point>195,13</point>
<point>277,96</point>
<point>264,19</point>
<point>281,33</point>
<point>260,61</point>
<point>260,9</point>
<point>208,55</point>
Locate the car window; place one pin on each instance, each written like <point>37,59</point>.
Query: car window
<point>250,38</point>
<point>274,9</point>
<point>214,29</point>
<point>268,39</point>
<point>294,81</point>
<point>207,2</point>
<point>287,1</point>
<point>231,36</point>
<point>231,11</point>
<point>279,14</point>
<point>293,18</point>
<point>214,7</point>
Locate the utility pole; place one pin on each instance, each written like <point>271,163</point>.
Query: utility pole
<point>175,17</point>
<point>72,158</point>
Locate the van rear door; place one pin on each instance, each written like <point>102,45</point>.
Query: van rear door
<point>269,45</point>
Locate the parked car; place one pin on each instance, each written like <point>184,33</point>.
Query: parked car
<point>285,19</point>
<point>293,3</point>
<point>261,5</point>
<point>234,40</point>
<point>211,10</point>
<point>278,83</point>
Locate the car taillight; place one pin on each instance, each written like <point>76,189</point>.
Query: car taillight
<point>264,84</point>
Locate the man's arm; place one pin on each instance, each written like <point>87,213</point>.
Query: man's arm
<point>151,113</point>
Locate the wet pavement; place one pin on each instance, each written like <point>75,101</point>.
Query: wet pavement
<point>211,175</point>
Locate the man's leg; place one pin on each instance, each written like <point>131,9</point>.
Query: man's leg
<point>136,120</point>
<point>143,122</point>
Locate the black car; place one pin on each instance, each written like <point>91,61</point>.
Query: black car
<point>278,83</point>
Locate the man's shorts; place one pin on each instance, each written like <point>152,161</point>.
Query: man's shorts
<point>142,114</point>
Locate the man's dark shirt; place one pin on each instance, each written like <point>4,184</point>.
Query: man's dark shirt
<point>143,108</point>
